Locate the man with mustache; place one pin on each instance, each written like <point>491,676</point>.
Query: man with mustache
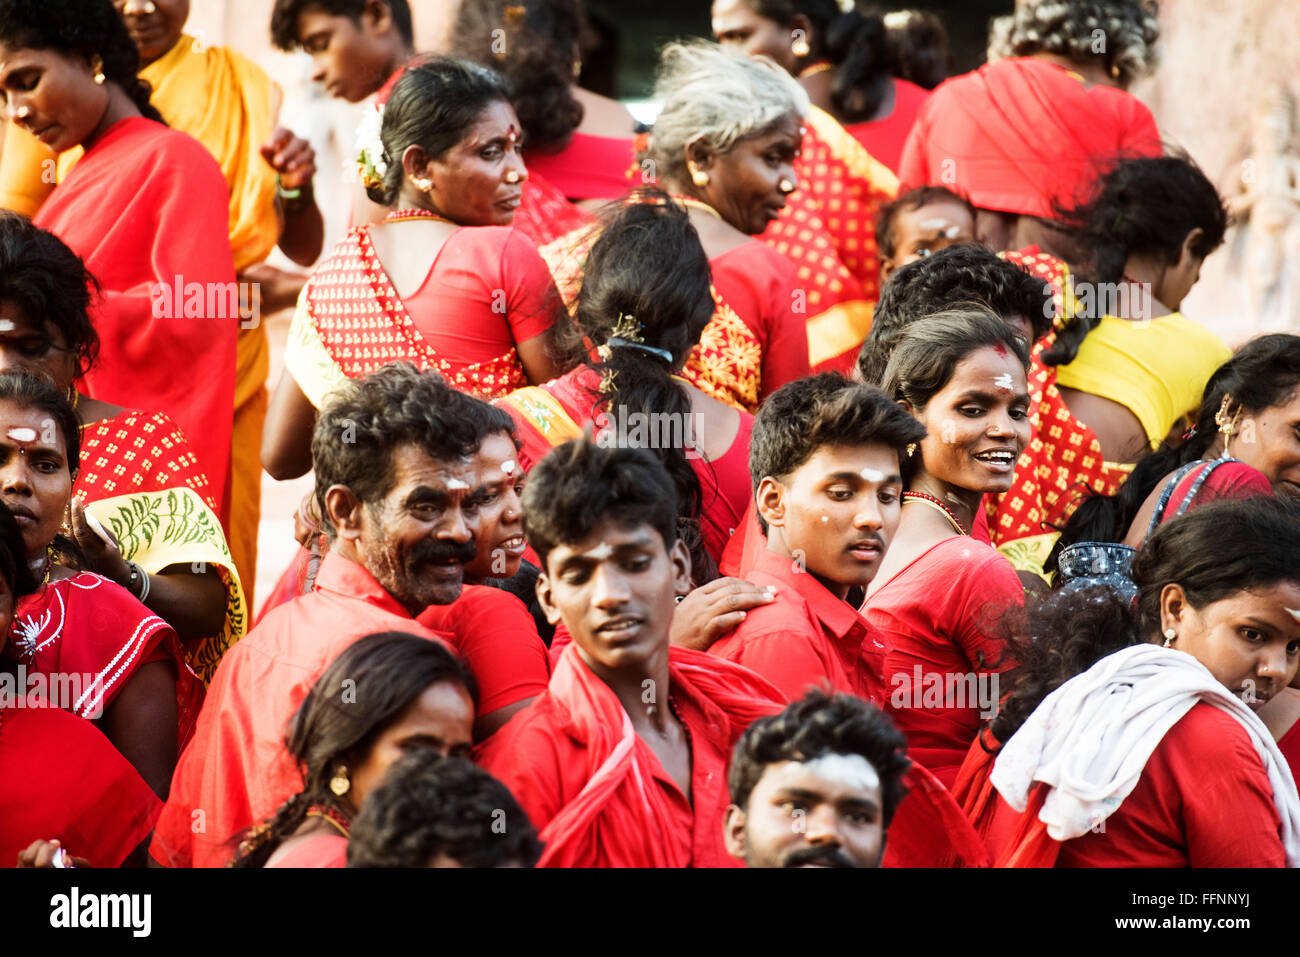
<point>824,463</point>
<point>622,761</point>
<point>816,785</point>
<point>397,481</point>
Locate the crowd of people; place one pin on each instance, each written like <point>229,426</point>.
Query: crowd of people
<point>822,476</point>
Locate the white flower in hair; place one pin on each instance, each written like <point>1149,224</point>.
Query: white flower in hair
<point>370,159</point>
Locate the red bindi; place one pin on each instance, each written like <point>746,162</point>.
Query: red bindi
<point>1000,349</point>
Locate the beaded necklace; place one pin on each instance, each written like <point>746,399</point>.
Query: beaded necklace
<point>933,502</point>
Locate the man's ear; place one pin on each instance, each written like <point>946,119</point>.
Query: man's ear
<point>733,831</point>
<point>887,267</point>
<point>680,557</point>
<point>770,501</point>
<point>344,509</point>
<point>377,17</point>
<point>543,589</point>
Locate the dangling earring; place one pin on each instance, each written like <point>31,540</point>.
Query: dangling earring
<point>339,784</point>
<point>98,67</point>
<point>1170,635</point>
<point>699,177</point>
<point>423,184</point>
<point>1226,425</point>
<point>799,47</point>
<point>911,449</point>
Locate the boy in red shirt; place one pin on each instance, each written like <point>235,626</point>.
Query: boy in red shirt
<point>824,463</point>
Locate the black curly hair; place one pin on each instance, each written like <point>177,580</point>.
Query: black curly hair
<point>430,806</point>
<point>363,691</point>
<point>819,724</point>
<point>1213,553</point>
<point>535,44</point>
<point>967,274</point>
<point>284,18</point>
<point>88,29</point>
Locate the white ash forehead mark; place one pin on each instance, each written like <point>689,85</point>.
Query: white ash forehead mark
<point>22,434</point>
<point>851,769</point>
<point>456,485</point>
<point>943,226</point>
<point>509,467</point>
<point>600,552</point>
<point>1003,381</point>
<point>1293,613</point>
<point>6,325</point>
<point>872,475</point>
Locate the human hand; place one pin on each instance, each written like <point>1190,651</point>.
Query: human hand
<point>711,611</point>
<point>292,157</point>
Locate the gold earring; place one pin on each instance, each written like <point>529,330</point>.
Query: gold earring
<point>339,784</point>
<point>800,47</point>
<point>699,177</point>
<point>98,67</point>
<point>1170,635</point>
<point>422,184</point>
<point>1226,426</point>
<point>911,449</point>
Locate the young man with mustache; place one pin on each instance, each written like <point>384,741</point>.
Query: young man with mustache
<point>622,761</point>
<point>816,785</point>
<point>397,480</point>
<point>824,463</point>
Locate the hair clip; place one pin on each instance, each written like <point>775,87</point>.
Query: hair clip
<point>617,342</point>
<point>627,328</point>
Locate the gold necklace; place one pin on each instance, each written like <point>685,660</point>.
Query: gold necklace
<point>697,204</point>
<point>938,506</point>
<point>821,66</point>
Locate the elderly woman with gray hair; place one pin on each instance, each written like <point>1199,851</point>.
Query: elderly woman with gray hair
<point>723,147</point>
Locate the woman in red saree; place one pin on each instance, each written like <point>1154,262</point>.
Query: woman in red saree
<point>443,283</point>
<point>139,477</point>
<point>1130,734</point>
<point>418,694</point>
<point>643,305</point>
<point>939,593</point>
<point>119,664</point>
<point>63,781</point>
<point>146,208</point>
<point>580,141</point>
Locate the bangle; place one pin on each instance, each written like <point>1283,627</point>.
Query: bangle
<point>286,193</point>
<point>142,576</point>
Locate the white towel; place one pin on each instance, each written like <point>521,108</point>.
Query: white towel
<point>1090,739</point>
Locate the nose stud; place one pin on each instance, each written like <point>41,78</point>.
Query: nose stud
<point>22,112</point>
<point>150,7</point>
<point>512,177</point>
<point>786,186</point>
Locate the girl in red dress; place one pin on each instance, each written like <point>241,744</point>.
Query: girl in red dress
<point>643,305</point>
<point>1129,736</point>
<point>398,692</point>
<point>939,593</point>
<point>444,282</point>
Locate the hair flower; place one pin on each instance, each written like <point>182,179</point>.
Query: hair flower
<point>370,158</point>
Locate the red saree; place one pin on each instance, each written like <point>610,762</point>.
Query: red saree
<point>596,791</point>
<point>588,167</point>
<point>828,231</point>
<point>1021,135</point>
<point>64,781</point>
<point>93,635</point>
<point>1063,461</point>
<point>147,210</point>
<point>350,321</point>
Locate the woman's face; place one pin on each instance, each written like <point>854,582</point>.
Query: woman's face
<point>155,25</point>
<point>1250,641</point>
<point>35,480</point>
<point>739,28</point>
<point>442,718</point>
<point>479,181</point>
<point>51,96</point>
<point>978,423</point>
<point>1270,442</point>
<point>748,185</point>
<point>499,541</point>
<point>37,349</point>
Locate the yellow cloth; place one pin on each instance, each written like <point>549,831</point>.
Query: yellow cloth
<point>253,363</point>
<point>1156,368</point>
<point>175,527</point>
<point>307,359</point>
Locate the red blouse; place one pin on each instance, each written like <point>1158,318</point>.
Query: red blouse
<point>884,139</point>
<point>589,167</point>
<point>938,617</point>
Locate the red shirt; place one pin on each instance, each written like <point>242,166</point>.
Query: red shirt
<point>597,792</point>
<point>939,614</point>
<point>807,637</point>
<point>884,138</point>
<point>1203,800</point>
<point>498,639</point>
<point>236,771</point>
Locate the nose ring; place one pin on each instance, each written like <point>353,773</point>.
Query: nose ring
<point>512,177</point>
<point>785,186</point>
<point>22,112</point>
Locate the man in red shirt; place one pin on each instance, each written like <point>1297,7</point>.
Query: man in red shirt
<point>622,762</point>
<point>397,479</point>
<point>824,462</point>
<point>816,785</point>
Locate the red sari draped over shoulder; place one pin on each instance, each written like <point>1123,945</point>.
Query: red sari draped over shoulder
<point>1023,134</point>
<point>588,167</point>
<point>1063,461</point>
<point>350,321</point>
<point>64,781</point>
<point>141,479</point>
<point>596,791</point>
<point>147,209</point>
<point>88,631</point>
<point>550,414</point>
<point>544,214</point>
<point>828,231</point>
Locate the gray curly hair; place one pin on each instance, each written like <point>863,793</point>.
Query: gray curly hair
<point>711,95</point>
<point>1127,31</point>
